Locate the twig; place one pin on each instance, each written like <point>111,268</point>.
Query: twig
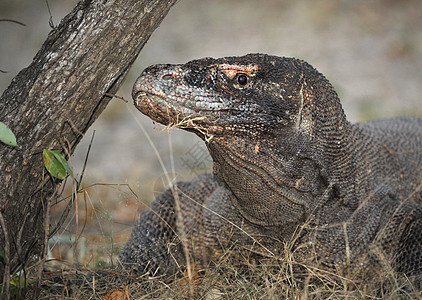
<point>6,274</point>
<point>74,127</point>
<point>62,219</point>
<point>50,20</point>
<point>67,209</point>
<point>76,202</point>
<point>115,96</point>
<point>13,21</point>
<point>46,237</point>
<point>85,162</point>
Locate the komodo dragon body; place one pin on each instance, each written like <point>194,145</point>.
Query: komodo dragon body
<point>289,169</point>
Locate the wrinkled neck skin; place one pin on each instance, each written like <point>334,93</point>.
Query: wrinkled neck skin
<point>276,178</point>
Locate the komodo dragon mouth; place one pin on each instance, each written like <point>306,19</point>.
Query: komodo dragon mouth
<point>177,116</point>
<point>174,115</point>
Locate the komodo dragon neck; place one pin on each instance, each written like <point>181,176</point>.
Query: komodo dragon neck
<point>274,127</point>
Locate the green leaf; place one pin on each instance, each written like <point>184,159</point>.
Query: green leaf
<point>63,162</point>
<point>6,135</point>
<point>56,164</point>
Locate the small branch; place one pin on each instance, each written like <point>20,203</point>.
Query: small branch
<point>75,246</point>
<point>50,21</point>
<point>6,275</point>
<point>12,21</point>
<point>17,242</point>
<point>72,125</point>
<point>115,96</point>
<point>62,219</point>
<point>85,162</point>
<point>46,237</point>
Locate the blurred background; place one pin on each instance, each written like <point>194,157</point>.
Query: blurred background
<point>371,51</point>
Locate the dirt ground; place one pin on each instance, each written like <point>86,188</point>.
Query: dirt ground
<point>370,50</point>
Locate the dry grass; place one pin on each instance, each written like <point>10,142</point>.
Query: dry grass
<point>272,279</point>
<point>69,270</point>
<point>70,274</point>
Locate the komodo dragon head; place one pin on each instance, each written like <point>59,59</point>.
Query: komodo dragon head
<point>274,127</point>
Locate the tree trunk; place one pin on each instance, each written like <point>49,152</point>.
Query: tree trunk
<point>51,104</point>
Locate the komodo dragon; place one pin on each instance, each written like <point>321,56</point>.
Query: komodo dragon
<point>289,169</point>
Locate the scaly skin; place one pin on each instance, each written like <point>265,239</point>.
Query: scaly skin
<point>290,169</point>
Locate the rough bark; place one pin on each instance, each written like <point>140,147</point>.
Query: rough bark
<point>51,104</point>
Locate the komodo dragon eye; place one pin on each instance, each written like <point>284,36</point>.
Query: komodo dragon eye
<point>242,79</point>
